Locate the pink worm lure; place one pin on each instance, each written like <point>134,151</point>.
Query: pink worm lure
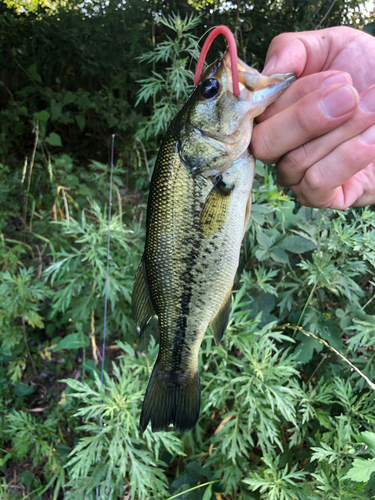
<point>223,30</point>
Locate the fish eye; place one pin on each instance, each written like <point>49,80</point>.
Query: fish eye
<point>210,88</point>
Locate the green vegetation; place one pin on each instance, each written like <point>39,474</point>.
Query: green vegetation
<point>288,401</point>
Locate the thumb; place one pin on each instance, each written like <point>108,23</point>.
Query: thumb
<point>306,52</point>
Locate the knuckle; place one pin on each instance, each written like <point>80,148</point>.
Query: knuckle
<point>302,198</point>
<point>301,88</point>
<point>279,39</point>
<point>297,159</point>
<point>303,121</point>
<point>281,179</point>
<point>276,40</point>
<point>291,167</point>
<point>313,179</point>
<point>306,203</point>
<point>261,145</point>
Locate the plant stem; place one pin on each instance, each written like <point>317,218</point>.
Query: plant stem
<point>367,303</point>
<point>27,347</point>
<point>309,334</point>
<point>83,363</point>
<point>92,335</point>
<point>317,368</point>
<point>192,489</point>
<point>29,180</point>
<point>306,304</point>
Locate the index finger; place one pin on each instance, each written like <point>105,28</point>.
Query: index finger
<point>301,88</point>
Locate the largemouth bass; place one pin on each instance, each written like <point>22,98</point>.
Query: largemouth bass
<point>198,208</point>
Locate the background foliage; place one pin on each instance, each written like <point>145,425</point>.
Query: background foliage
<point>287,397</point>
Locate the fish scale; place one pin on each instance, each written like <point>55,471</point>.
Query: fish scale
<point>197,212</point>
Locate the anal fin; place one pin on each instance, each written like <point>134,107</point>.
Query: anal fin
<point>247,214</point>
<point>142,308</point>
<point>220,322</point>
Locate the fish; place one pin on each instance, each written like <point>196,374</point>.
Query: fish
<point>198,208</point>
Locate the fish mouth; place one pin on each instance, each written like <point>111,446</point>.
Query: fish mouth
<point>260,89</point>
<point>276,85</point>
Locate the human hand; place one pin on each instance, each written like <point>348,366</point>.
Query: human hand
<point>321,131</point>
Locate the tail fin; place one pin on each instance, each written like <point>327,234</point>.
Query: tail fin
<point>171,399</point>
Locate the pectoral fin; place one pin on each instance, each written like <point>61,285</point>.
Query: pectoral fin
<point>215,210</point>
<point>220,322</point>
<point>142,308</point>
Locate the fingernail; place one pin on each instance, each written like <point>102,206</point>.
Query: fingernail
<point>367,100</point>
<point>338,78</point>
<point>340,101</point>
<point>270,65</point>
<point>368,136</point>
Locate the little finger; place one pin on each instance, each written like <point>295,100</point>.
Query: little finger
<point>320,182</point>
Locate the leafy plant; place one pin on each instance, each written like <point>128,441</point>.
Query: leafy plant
<point>112,454</point>
<point>20,308</point>
<point>80,271</point>
<point>168,90</point>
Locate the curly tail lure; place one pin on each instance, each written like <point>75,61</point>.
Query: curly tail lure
<point>220,30</point>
